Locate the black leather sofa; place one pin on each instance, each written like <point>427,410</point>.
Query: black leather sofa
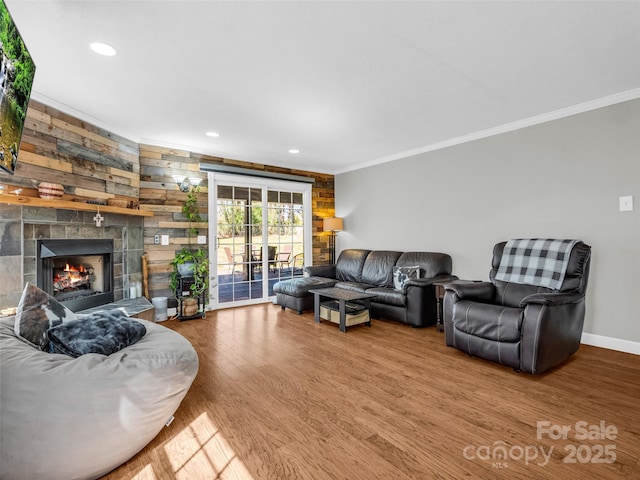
<point>372,272</point>
<point>529,328</point>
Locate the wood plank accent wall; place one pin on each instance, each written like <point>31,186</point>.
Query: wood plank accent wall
<point>90,162</point>
<point>160,194</point>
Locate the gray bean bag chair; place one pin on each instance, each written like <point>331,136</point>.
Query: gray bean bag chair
<point>79,418</point>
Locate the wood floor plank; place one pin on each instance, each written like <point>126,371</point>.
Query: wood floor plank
<point>278,396</point>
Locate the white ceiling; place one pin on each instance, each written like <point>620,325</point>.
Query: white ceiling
<point>349,84</point>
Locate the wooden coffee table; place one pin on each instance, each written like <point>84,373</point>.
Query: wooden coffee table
<point>341,297</point>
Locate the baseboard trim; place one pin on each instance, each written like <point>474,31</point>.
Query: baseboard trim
<point>611,343</point>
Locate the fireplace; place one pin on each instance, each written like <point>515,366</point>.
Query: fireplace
<point>77,273</point>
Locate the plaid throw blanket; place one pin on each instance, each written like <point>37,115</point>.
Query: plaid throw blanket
<point>535,261</point>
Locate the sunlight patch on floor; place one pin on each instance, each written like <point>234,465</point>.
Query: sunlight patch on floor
<point>146,473</point>
<point>201,451</point>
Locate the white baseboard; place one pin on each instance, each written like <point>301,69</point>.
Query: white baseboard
<point>611,343</point>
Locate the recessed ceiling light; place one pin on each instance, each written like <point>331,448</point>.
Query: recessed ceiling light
<point>212,134</point>
<point>294,150</point>
<point>103,49</point>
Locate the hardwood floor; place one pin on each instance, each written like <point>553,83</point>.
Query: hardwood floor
<point>280,397</point>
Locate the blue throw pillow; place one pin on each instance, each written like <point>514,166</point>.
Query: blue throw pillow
<point>103,332</point>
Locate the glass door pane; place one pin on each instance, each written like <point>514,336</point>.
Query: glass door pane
<point>239,229</point>
<point>260,235</point>
<point>285,228</point>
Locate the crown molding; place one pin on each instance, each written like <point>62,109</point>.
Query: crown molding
<point>507,127</point>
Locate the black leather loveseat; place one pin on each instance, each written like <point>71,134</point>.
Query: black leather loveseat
<point>372,272</point>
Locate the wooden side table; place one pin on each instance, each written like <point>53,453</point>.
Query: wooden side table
<point>439,292</point>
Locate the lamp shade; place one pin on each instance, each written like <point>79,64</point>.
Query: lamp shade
<point>332,225</point>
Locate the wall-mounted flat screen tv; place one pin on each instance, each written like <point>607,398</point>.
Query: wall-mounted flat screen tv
<point>16,78</point>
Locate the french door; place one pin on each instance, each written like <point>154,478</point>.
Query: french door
<point>260,233</point>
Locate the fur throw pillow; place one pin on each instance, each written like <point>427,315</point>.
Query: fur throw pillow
<point>103,332</point>
<point>38,312</point>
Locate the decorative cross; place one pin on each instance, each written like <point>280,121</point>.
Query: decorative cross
<point>98,219</point>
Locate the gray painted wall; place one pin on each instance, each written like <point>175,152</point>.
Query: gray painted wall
<point>560,179</point>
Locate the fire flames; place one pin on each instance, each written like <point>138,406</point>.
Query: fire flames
<point>71,277</point>
<point>74,269</point>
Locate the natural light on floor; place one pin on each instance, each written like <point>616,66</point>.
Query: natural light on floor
<point>199,451</point>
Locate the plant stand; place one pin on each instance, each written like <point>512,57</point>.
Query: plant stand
<point>182,293</point>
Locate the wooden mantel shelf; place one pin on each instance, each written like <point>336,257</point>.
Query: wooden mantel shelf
<point>67,205</point>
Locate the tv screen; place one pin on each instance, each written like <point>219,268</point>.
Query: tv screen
<point>16,77</point>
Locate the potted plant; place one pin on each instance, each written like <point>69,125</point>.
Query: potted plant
<point>198,261</point>
<point>190,262</point>
<point>191,211</point>
<point>183,261</point>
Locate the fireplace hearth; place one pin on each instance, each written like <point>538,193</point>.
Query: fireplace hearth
<point>77,273</point>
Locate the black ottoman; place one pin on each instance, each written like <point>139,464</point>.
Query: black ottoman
<point>294,293</point>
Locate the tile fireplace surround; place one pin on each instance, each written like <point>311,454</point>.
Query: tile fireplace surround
<point>21,226</point>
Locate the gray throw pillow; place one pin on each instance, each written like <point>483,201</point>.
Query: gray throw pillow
<point>37,312</point>
<point>402,275</point>
<point>104,332</point>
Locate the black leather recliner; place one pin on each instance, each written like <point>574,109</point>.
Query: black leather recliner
<point>526,327</point>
